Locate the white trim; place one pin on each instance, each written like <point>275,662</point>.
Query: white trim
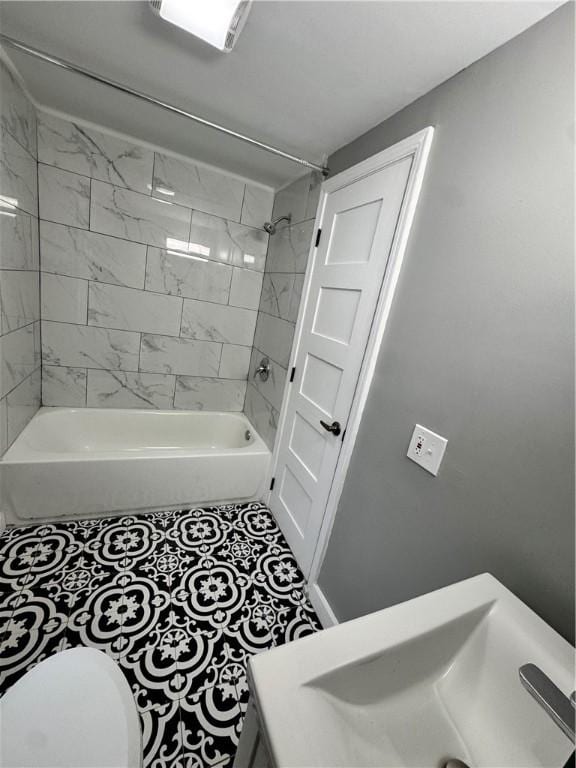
<point>322,607</point>
<point>419,146</point>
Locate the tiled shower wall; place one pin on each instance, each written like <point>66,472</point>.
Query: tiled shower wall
<point>19,270</point>
<point>152,267</point>
<point>280,300</point>
<point>151,274</point>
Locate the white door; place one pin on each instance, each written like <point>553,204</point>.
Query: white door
<point>359,222</point>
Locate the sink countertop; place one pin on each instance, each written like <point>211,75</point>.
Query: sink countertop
<point>415,684</point>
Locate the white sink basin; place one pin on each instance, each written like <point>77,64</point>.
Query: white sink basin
<point>416,684</point>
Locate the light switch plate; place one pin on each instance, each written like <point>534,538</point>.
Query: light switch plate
<point>427,449</point>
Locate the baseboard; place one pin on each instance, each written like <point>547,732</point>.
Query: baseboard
<point>322,606</point>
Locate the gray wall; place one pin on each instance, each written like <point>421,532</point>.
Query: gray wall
<point>479,348</point>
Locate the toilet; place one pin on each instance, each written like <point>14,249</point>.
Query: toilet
<point>73,710</point>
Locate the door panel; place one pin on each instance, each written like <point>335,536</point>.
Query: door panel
<point>353,234</point>
<point>336,313</point>
<point>358,225</point>
<point>307,445</point>
<point>321,383</point>
<point>295,500</point>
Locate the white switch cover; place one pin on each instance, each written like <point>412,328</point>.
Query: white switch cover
<point>427,449</point>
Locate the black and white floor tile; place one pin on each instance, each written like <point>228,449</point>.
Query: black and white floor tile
<point>180,599</point>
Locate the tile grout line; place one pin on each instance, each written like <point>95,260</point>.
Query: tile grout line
<point>160,247</point>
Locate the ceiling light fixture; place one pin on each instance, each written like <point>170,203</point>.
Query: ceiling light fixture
<point>218,22</point>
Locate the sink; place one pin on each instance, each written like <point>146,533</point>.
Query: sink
<point>417,684</point>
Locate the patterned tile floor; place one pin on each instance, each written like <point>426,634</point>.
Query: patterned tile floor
<point>180,599</point>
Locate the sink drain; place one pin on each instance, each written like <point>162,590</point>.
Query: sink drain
<point>453,762</point>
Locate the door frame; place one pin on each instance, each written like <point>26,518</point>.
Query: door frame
<point>418,145</point>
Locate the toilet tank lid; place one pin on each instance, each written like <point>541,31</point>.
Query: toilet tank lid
<point>75,709</point>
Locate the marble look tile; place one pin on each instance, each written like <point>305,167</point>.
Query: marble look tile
<point>257,205</point>
<point>132,216</point>
<point>228,242</point>
<point>84,150</point>
<point>79,253</point>
<point>3,427</point>
<point>18,239</point>
<point>281,295</point>
<point>81,346</point>
<point>37,343</point>
<point>273,388</point>
<point>183,274</point>
<point>110,306</point>
<point>201,394</point>
<point>289,248</point>
<point>276,294</point>
<point>64,299</point>
<point>18,177</point>
<point>164,354</point>
<point>117,389</point>
<point>64,196</point>
<point>216,322</point>
<point>293,200</point>
<point>19,299</point>
<point>261,415</point>
<point>63,386</point>
<point>245,289</point>
<point>17,113</point>
<point>22,403</point>
<point>296,298</point>
<point>18,357</point>
<point>197,187</point>
<point>274,337</point>
<point>235,362</point>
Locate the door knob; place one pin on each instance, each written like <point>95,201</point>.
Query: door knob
<point>334,427</point>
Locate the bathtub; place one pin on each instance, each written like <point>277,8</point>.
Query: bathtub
<point>87,462</point>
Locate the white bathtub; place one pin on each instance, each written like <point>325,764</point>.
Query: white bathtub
<point>87,462</point>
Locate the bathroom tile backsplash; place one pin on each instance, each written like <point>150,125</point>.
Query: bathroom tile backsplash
<point>194,393</point>
<point>152,271</point>
<point>64,144</point>
<point>64,197</point>
<point>158,287</point>
<point>19,261</point>
<point>19,245</point>
<point>185,357</point>
<point>217,322</point>
<point>17,113</point>
<point>198,188</point>
<point>226,242</point>
<point>79,253</point>
<point>89,347</point>
<point>192,278</point>
<point>280,297</point>
<point>126,389</point>
<point>127,309</point>
<point>64,299</point>
<point>18,176</point>
<point>62,385</point>
<point>140,218</point>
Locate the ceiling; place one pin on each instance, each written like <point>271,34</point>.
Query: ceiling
<point>308,76</point>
